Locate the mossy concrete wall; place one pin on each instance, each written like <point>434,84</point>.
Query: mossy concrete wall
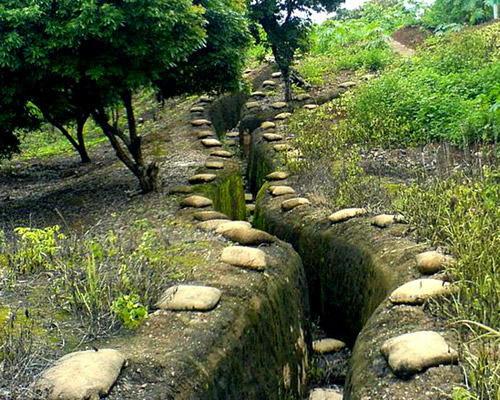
<point>351,269</point>
<point>252,346</point>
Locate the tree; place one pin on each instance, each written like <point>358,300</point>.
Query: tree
<point>87,56</point>
<point>285,28</point>
<point>217,66</point>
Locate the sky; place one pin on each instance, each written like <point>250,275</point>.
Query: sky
<point>349,4</point>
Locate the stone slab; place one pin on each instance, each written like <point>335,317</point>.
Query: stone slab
<point>278,105</point>
<point>268,83</point>
<point>346,214</point>
<point>276,176</point>
<point>347,85</point>
<point>413,352</point>
<point>290,204</point>
<point>214,165</point>
<point>201,122</point>
<point>208,215</point>
<point>202,178</point>
<point>247,257</point>
<point>204,134</point>
<point>196,201</point>
<point>281,190</point>
<point>325,394</point>
<point>419,290</point>
<point>82,375</point>
<point>328,345</point>
<point>282,116</point>
<point>247,236</point>
<point>267,125</point>
<point>272,137</point>
<point>189,298</point>
<point>276,75</point>
<point>431,262</point>
<point>252,104</point>
<point>222,154</point>
<point>310,106</point>
<point>211,143</point>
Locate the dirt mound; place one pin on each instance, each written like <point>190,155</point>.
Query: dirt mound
<point>411,36</point>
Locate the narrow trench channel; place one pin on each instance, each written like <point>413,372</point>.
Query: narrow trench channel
<point>344,287</point>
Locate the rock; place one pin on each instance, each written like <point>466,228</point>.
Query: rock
<point>346,214</point>
<point>233,134</point>
<point>278,105</point>
<point>384,220</point>
<point>206,99</point>
<point>245,257</point>
<point>189,298</point>
<point>211,143</point>
<point>83,375</point>
<point>252,104</point>
<point>250,208</point>
<point>196,201</point>
<point>211,225</point>
<point>248,197</point>
<point>272,137</point>
<point>276,176</point>
<point>282,147</point>
<point>228,225</point>
<point>328,345</point>
<point>214,164</point>
<point>181,189</point>
<point>268,83</point>
<point>208,215</point>
<point>276,75</point>
<point>290,204</point>
<point>347,85</point>
<point>204,134</point>
<point>222,154</point>
<point>247,236</point>
<point>257,94</point>
<point>202,178</point>
<point>303,97</point>
<point>325,394</point>
<point>431,262</point>
<point>281,190</point>
<point>267,125</point>
<point>310,106</point>
<point>197,109</point>
<point>419,290</point>
<point>200,122</point>
<point>413,352</point>
<point>283,116</point>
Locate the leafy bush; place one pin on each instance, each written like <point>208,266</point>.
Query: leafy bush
<point>439,95</point>
<point>36,248</point>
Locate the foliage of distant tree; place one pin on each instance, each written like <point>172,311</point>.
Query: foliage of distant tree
<point>445,13</point>
<point>75,59</point>
<point>285,28</point>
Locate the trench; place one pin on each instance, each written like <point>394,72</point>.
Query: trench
<point>345,282</point>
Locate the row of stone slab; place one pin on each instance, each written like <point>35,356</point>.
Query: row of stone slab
<point>412,352</point>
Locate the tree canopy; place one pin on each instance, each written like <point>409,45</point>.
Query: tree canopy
<point>286,28</point>
<point>76,58</point>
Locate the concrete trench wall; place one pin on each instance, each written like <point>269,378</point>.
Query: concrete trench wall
<point>351,269</point>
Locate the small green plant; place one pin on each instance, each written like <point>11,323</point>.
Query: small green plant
<point>36,248</point>
<point>129,310</point>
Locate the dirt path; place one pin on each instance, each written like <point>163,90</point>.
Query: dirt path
<point>401,49</point>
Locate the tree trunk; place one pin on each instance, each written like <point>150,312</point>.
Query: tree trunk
<point>131,154</point>
<point>288,83</point>
<point>80,145</point>
<point>82,150</point>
